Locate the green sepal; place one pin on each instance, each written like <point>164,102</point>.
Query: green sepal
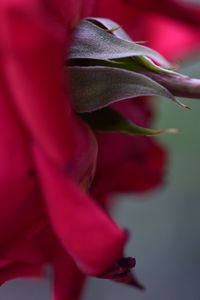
<point>96,87</point>
<point>108,120</point>
<point>92,41</point>
<point>144,61</point>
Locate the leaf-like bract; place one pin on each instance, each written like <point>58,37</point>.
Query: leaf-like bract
<point>91,41</point>
<point>109,120</point>
<point>98,86</point>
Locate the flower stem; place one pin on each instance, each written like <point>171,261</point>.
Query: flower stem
<point>180,86</point>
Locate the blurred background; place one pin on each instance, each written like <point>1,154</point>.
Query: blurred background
<point>164,225</point>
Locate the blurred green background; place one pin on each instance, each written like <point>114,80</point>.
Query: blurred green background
<point>164,225</point>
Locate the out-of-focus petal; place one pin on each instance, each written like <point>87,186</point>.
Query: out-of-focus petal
<point>185,12</point>
<point>124,13</point>
<point>86,232</point>
<point>19,194</point>
<point>20,269</point>
<point>137,170</point>
<point>184,40</point>
<point>33,46</point>
<point>68,279</point>
<point>128,164</point>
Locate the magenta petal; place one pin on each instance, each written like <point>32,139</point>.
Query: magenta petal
<point>20,204</point>
<point>33,48</point>
<point>13,270</point>
<point>84,229</point>
<point>68,279</point>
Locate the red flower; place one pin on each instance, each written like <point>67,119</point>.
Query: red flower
<point>46,150</point>
<point>48,157</point>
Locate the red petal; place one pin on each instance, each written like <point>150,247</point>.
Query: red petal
<point>13,270</point>
<point>68,280</point>
<point>33,45</point>
<point>85,231</point>
<point>20,204</point>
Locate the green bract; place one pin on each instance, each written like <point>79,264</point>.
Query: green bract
<point>91,41</point>
<point>107,119</point>
<point>97,86</point>
<point>106,66</point>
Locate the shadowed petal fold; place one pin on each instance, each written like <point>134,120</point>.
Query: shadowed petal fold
<point>84,229</point>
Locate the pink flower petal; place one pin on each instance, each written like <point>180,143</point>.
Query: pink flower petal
<point>33,46</point>
<point>85,231</point>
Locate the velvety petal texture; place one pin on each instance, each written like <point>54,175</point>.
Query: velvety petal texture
<point>48,155</point>
<point>86,232</point>
<point>68,279</point>
<point>36,113</point>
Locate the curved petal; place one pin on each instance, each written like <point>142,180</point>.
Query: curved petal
<point>33,44</point>
<point>85,231</point>
<point>151,20</point>
<point>14,270</point>
<point>19,195</point>
<point>68,279</point>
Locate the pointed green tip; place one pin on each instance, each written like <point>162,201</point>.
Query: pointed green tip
<point>171,130</point>
<point>113,29</point>
<point>141,42</point>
